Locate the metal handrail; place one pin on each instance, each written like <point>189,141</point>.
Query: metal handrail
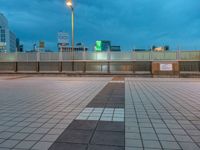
<point>101,56</point>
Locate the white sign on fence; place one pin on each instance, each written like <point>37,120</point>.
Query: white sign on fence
<point>166,67</point>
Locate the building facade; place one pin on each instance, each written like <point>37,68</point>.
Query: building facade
<point>75,49</point>
<point>7,37</point>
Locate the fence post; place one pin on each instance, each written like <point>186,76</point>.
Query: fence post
<point>109,55</point>
<point>133,55</point>
<point>60,56</point>
<point>84,55</point>
<point>108,67</point>
<point>133,67</point>
<point>37,66</point>
<point>38,56</point>
<point>199,66</point>
<point>16,62</point>
<point>38,62</point>
<point>151,55</point>
<point>60,66</point>
<point>16,67</point>
<point>60,59</point>
<point>84,69</point>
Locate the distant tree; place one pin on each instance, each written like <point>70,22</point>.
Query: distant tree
<point>166,47</point>
<point>153,47</point>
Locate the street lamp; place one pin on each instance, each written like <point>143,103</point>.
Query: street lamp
<point>70,5</point>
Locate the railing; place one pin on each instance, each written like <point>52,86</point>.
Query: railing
<point>100,56</point>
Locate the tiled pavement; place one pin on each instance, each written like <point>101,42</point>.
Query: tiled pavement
<point>35,111</point>
<point>162,114</point>
<point>159,114</point>
<point>100,126</point>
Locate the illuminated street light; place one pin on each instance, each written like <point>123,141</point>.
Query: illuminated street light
<point>70,5</point>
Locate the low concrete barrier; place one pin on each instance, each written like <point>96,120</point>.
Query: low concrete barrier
<point>140,68</point>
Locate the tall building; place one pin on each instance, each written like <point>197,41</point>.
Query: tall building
<point>7,37</point>
<point>19,46</point>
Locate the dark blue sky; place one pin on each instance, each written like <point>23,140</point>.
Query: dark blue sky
<point>129,23</point>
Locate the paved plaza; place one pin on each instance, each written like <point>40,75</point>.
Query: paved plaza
<point>99,113</point>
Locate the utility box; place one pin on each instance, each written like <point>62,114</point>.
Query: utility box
<point>165,69</point>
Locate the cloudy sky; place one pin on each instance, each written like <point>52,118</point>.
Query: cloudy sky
<point>129,23</point>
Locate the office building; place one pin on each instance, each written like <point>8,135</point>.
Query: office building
<point>77,48</point>
<point>7,37</point>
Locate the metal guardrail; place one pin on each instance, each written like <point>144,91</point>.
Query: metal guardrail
<point>100,56</point>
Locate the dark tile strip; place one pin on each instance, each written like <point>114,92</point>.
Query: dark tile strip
<point>96,135</point>
<point>112,96</point>
<point>91,135</point>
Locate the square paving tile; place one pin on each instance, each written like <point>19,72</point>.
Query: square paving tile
<point>25,144</point>
<point>19,136</point>
<point>189,146</point>
<point>108,138</point>
<point>152,144</point>
<point>41,130</point>
<point>28,130</point>
<point>149,136</point>
<point>166,137</point>
<point>55,131</point>
<point>49,138</point>
<point>132,135</point>
<point>9,143</point>
<point>183,138</point>
<point>83,125</point>
<point>102,147</point>
<point>110,126</point>
<point>133,143</point>
<point>42,146</point>
<point>68,146</point>
<point>34,137</point>
<point>75,136</point>
<point>6,135</point>
<point>170,145</point>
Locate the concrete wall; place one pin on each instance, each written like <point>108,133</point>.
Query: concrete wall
<point>182,68</point>
<point>7,66</point>
<point>26,67</point>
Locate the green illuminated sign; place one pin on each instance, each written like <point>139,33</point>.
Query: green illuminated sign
<point>98,46</point>
<point>102,46</point>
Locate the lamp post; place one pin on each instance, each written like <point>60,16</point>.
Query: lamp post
<point>70,5</point>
